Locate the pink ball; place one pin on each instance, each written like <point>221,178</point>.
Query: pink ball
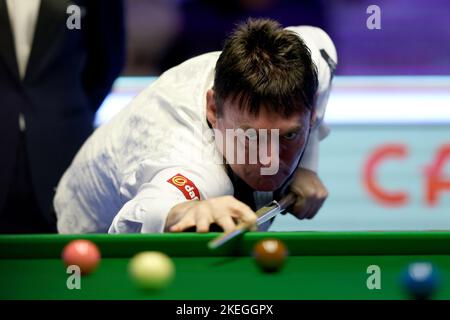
<point>83,253</point>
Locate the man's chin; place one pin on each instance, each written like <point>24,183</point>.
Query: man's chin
<point>265,185</point>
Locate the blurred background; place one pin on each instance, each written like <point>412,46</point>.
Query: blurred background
<point>387,161</point>
<point>413,39</point>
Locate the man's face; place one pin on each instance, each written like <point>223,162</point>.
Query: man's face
<point>276,155</point>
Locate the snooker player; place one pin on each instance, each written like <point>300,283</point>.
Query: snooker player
<point>148,169</point>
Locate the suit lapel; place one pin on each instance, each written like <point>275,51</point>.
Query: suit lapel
<point>50,22</point>
<point>7,49</point>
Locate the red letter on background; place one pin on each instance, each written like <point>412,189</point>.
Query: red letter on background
<point>388,198</point>
<point>435,182</point>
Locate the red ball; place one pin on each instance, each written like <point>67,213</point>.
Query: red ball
<point>83,253</point>
<point>270,254</point>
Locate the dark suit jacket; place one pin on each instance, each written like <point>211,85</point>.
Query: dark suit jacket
<point>68,75</point>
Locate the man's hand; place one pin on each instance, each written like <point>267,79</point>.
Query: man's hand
<point>310,191</point>
<point>225,211</point>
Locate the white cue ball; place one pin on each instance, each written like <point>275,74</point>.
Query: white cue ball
<point>151,270</point>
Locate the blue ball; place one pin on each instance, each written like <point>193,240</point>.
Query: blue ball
<point>421,280</point>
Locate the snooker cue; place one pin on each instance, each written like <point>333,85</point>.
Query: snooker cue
<point>264,214</point>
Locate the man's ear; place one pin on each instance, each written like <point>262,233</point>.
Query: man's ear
<point>211,108</point>
<point>313,122</point>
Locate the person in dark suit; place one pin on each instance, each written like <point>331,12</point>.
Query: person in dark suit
<point>52,80</point>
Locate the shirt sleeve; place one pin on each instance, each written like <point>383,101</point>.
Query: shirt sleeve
<point>146,212</point>
<point>324,56</point>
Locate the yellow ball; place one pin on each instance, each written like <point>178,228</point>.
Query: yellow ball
<point>151,270</point>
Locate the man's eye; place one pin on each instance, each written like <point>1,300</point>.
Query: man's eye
<point>290,136</point>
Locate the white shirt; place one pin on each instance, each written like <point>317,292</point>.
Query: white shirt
<point>152,155</point>
<point>23,16</point>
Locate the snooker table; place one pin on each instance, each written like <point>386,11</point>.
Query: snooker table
<point>321,265</point>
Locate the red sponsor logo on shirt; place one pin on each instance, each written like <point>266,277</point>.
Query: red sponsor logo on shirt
<point>186,186</point>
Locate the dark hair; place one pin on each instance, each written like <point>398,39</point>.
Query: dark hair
<point>262,63</point>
